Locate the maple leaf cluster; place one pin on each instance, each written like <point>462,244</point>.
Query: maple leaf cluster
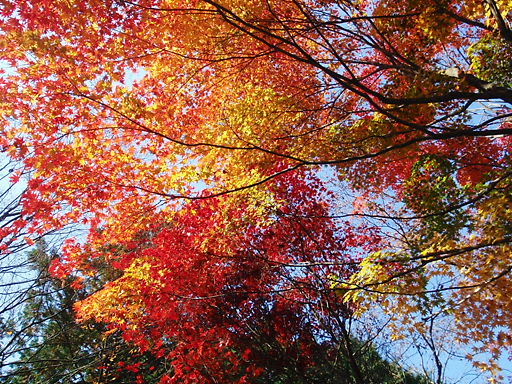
<point>270,165</point>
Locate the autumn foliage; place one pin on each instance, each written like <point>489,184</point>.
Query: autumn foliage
<point>263,170</point>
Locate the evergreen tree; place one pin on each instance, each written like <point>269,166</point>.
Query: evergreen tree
<point>54,348</point>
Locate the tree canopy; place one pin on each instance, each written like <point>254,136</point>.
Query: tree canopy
<point>277,165</point>
<point>53,348</point>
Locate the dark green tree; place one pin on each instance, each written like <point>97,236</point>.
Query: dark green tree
<point>53,348</point>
